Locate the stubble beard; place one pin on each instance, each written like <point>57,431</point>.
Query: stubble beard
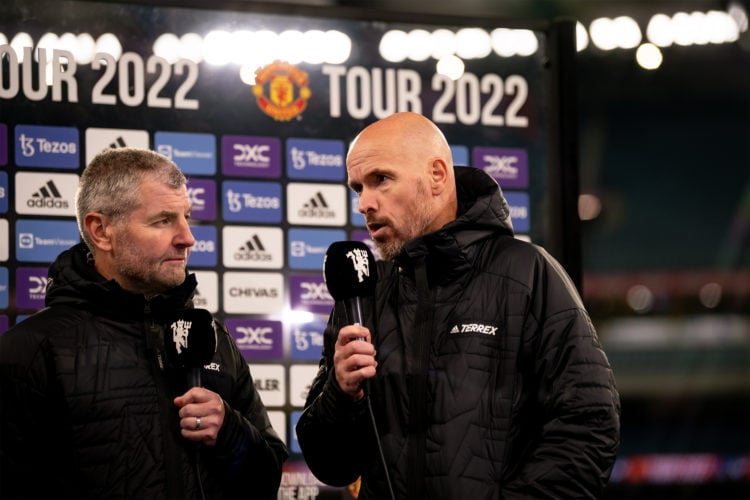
<point>144,274</point>
<point>415,226</point>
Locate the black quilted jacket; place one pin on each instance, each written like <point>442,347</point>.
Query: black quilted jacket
<point>86,401</point>
<point>491,382</point>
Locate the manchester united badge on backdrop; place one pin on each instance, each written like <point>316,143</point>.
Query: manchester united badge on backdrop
<point>281,90</point>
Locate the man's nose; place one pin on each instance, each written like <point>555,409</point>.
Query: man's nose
<point>367,201</point>
<point>185,235</point>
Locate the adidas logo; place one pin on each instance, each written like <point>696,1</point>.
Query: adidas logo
<point>118,143</point>
<point>317,207</point>
<point>254,243</point>
<point>254,250</point>
<point>473,328</point>
<point>47,196</point>
<point>317,201</point>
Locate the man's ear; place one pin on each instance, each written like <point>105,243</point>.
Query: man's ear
<point>438,176</point>
<point>98,227</point>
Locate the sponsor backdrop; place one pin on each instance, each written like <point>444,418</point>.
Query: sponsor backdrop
<point>259,115</point>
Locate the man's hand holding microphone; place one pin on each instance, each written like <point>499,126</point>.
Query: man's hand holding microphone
<point>350,274</point>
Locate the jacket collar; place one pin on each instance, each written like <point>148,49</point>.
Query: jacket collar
<point>482,212</point>
<point>74,281</point>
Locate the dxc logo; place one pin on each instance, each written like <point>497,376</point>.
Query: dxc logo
<point>37,284</point>
<point>256,153</point>
<point>314,291</point>
<point>196,196</point>
<point>501,164</point>
<point>256,335</point>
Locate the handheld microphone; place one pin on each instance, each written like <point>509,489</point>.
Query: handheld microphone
<point>190,339</point>
<point>350,274</point>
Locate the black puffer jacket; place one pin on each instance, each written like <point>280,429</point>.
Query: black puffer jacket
<point>490,383</point>
<point>86,401</point>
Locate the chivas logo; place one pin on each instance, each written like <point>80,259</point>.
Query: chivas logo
<point>281,90</point>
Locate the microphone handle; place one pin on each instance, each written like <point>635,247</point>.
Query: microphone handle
<point>194,377</point>
<point>354,311</point>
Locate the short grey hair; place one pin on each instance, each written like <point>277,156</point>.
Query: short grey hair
<point>109,184</point>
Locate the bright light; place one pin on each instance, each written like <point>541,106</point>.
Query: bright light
<point>696,28</point>
<point>191,47</point>
<point>20,41</point>
<point>526,42</point>
<point>608,34</point>
<point>627,32</point>
<point>659,30</point>
<point>339,47</point>
<point>167,46</point>
<point>589,206</point>
<point>109,44</point>
<point>450,66</point>
<point>214,44</point>
<point>582,37</point>
<point>710,295</point>
<point>722,27</point>
<point>393,46</point>
<point>737,12</point>
<point>502,42</point>
<point>640,298</point>
<point>648,56</point>
<point>46,43</point>
<point>296,316</point>
<point>247,74</point>
<point>443,43</point>
<point>290,44</point>
<point>603,34</point>
<point>473,43</point>
<point>244,45</point>
<point>3,39</point>
<point>69,42</point>
<point>315,47</point>
<point>683,28</point>
<point>264,47</point>
<point>419,45</point>
<point>700,31</point>
<point>85,48</point>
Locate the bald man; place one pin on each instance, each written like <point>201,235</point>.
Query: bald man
<point>477,373</point>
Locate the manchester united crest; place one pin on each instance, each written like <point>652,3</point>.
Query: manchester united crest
<point>281,90</point>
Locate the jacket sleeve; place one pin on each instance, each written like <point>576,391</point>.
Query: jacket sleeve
<point>332,430</point>
<point>29,420</point>
<point>572,452</point>
<point>248,454</point>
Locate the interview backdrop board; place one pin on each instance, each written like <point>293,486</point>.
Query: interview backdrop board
<point>258,105</point>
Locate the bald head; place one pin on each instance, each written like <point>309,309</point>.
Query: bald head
<point>402,169</point>
<point>407,135</point>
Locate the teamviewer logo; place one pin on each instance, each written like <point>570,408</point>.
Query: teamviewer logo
<point>25,240</point>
